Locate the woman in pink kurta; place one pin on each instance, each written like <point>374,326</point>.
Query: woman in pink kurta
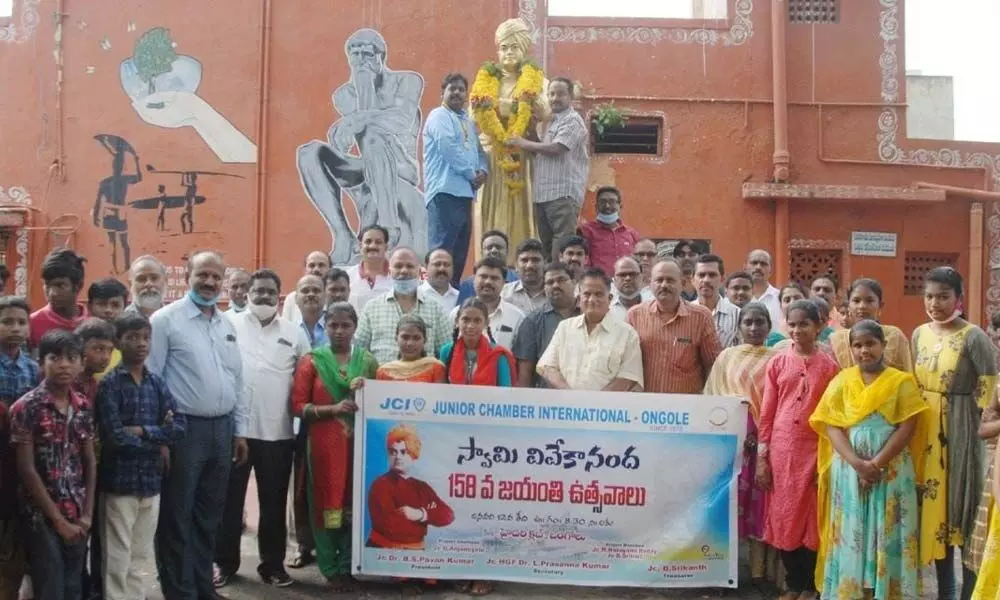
<point>786,455</point>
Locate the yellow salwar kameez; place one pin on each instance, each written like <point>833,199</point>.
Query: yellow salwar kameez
<point>956,372</point>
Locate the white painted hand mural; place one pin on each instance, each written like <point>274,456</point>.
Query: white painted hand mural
<point>163,88</point>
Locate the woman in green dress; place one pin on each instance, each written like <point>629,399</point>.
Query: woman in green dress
<point>323,397</point>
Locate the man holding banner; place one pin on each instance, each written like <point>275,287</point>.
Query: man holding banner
<point>593,351</point>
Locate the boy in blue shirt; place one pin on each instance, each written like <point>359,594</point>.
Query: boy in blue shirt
<point>136,412</point>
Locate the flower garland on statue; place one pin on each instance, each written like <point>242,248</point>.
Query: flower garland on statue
<point>485,100</point>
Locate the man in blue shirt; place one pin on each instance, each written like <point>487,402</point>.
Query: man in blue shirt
<point>454,168</point>
<point>193,348</point>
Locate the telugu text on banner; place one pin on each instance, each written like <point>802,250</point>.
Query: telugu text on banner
<point>546,486</point>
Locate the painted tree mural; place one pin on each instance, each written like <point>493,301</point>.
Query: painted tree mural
<point>154,55</point>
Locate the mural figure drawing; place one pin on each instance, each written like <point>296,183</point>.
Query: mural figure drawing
<point>162,202</point>
<point>370,154</point>
<point>109,207</point>
<point>163,85</point>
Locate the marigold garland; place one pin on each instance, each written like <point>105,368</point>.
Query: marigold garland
<point>485,99</point>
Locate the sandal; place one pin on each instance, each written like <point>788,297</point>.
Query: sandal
<point>300,560</point>
<point>481,588</point>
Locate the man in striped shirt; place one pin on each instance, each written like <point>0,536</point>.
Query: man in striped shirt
<point>561,167</point>
<point>678,340</point>
<point>708,273</point>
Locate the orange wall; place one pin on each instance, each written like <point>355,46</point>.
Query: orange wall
<point>693,190</point>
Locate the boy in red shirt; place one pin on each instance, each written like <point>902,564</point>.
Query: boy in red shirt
<point>62,273</point>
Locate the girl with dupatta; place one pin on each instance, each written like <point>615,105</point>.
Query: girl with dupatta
<point>956,370</point>
<point>739,371</point>
<point>323,397</point>
<point>868,514</point>
<point>864,301</point>
<point>413,363</point>
<point>786,450</point>
<point>472,358</point>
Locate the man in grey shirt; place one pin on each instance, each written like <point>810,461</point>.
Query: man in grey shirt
<point>561,168</point>
<point>538,327</point>
<point>194,349</point>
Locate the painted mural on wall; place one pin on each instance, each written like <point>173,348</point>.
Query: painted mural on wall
<point>112,206</point>
<point>184,203</point>
<point>370,154</point>
<point>163,86</point>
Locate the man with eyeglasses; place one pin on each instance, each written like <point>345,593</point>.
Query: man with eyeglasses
<point>626,291</point>
<point>644,253</point>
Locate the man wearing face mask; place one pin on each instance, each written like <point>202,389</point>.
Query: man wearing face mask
<point>561,168</point>
<point>194,349</point>
<point>148,279</point>
<point>377,324</point>
<point>626,290</point>
<point>270,347</point>
<point>609,237</point>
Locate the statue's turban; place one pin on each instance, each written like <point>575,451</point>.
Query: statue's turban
<point>516,30</point>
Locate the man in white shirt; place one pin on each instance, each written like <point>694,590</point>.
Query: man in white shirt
<point>596,350</point>
<point>438,286</point>
<point>708,272</point>
<point>528,292</point>
<point>759,267</point>
<point>504,317</point>
<point>318,264</point>
<point>625,291</point>
<point>270,347</point>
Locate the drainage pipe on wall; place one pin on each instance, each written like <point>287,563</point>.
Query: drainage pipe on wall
<point>264,81</point>
<point>781,158</point>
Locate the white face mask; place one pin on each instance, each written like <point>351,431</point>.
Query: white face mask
<point>953,316</point>
<point>263,312</point>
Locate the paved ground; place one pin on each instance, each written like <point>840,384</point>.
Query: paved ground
<point>310,584</point>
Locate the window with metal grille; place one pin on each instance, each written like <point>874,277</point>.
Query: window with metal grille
<point>916,265</point>
<point>808,264</point>
<point>814,11</point>
<point>641,135</point>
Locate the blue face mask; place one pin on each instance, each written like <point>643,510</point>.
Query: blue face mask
<point>607,219</point>
<point>193,295</point>
<point>405,287</point>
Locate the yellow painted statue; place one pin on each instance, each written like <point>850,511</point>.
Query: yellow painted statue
<point>508,100</point>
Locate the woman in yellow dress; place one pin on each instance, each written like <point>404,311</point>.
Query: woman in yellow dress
<point>989,429</point>
<point>864,301</point>
<point>504,201</point>
<point>956,370</point>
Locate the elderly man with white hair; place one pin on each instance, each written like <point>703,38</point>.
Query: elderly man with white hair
<point>148,280</point>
